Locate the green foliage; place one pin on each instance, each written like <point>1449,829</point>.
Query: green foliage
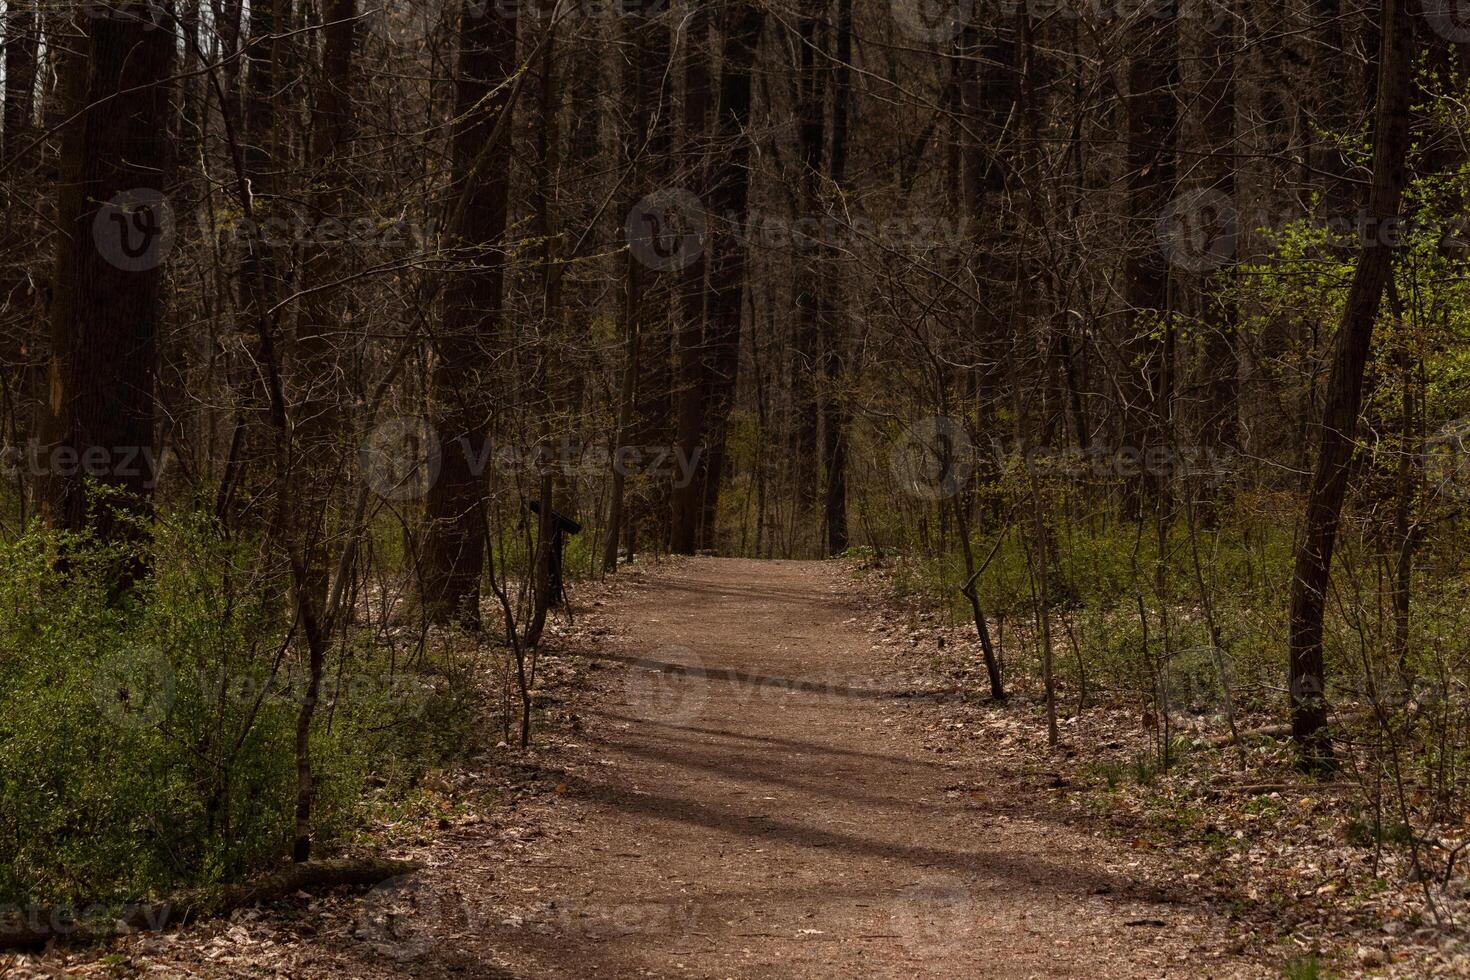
<point>1369,831</point>
<point>1100,570</point>
<point>149,743</point>
<point>1141,770</point>
<point>1306,968</point>
<point>1145,769</point>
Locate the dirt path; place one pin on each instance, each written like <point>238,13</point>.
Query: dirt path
<point>760,806</point>
<point>752,797</point>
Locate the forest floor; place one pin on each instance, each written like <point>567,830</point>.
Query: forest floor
<point>735,780</point>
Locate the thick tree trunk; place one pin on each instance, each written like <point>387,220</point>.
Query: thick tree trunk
<point>834,312</point>
<point>988,89</point>
<point>1345,390</point>
<point>1152,111</point>
<point>21,31</point>
<point>644,411</point>
<point>729,199</point>
<point>693,363</point>
<point>260,271</point>
<point>472,330</point>
<point>19,329</point>
<point>649,510</point>
<point>548,366</point>
<point>1221,363</point>
<point>107,297</point>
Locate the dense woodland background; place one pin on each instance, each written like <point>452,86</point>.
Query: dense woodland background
<point>1112,328</point>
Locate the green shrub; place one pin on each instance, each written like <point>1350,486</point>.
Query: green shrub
<point>149,743</point>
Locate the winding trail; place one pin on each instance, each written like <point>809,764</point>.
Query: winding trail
<point>760,804</point>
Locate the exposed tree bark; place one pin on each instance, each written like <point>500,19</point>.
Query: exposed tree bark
<point>1344,398</point>
<point>989,89</point>
<point>649,509</point>
<point>1220,430</point>
<point>107,297</point>
<point>472,331</point>
<point>693,361</point>
<point>644,405</point>
<point>729,197</point>
<point>260,271</point>
<point>548,353</point>
<point>21,34</point>
<point>835,308</point>
<point>19,329</point>
<point>322,334</point>
<point>812,78</point>
<point>1152,111</point>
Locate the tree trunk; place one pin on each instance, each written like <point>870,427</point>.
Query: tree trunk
<point>1152,112</point>
<point>1221,364</point>
<point>834,308</point>
<point>472,330</point>
<point>548,366</point>
<point>18,321</point>
<point>693,365</point>
<point>107,295</point>
<point>806,362</point>
<point>729,197</point>
<point>644,412</point>
<point>1345,391</point>
<point>321,337</point>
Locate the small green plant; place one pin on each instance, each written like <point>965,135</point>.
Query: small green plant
<point>1111,773</point>
<point>1306,968</point>
<point>1145,769</point>
<point>1368,832</point>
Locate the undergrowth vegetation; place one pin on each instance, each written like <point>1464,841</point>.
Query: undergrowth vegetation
<point>148,742</point>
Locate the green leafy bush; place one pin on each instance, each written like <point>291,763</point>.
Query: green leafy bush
<point>149,743</point>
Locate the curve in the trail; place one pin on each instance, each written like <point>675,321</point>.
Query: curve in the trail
<point>756,802</point>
